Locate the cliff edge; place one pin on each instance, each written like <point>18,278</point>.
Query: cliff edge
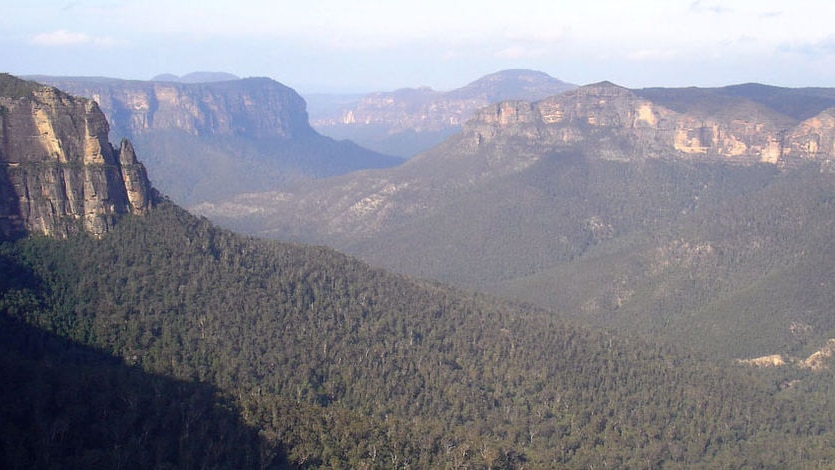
<point>59,174</point>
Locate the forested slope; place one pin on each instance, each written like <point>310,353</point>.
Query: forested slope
<point>341,365</point>
<point>71,406</point>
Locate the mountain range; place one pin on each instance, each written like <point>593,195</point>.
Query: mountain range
<point>408,121</point>
<point>656,210</point>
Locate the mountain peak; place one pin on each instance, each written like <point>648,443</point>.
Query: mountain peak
<point>514,84</point>
<point>604,84</point>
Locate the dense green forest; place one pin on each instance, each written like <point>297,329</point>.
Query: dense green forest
<point>169,335</point>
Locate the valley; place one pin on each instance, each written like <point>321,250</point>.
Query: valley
<point>651,216</point>
<point>595,278</point>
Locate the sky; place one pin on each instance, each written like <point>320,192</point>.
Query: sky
<point>342,46</point>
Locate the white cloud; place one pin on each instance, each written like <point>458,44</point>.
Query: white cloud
<point>63,37</point>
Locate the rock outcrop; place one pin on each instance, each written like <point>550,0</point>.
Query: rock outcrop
<point>816,361</point>
<point>59,174</point>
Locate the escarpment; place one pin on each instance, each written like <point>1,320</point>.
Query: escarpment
<point>251,107</point>
<point>59,174</point>
<point>615,123</point>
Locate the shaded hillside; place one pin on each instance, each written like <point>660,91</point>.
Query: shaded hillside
<point>349,366</point>
<point>408,121</point>
<point>209,141</point>
<point>603,204</point>
<point>66,405</point>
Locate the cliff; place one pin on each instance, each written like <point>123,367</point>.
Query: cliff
<point>59,174</point>
<point>614,123</point>
<point>251,107</point>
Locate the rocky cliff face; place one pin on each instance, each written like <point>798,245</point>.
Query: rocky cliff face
<point>58,172</point>
<point>610,122</point>
<point>403,114</point>
<point>252,107</point>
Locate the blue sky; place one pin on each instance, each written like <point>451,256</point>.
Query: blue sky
<point>365,45</point>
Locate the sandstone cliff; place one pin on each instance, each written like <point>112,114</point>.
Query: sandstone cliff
<point>610,122</point>
<point>58,172</point>
<point>252,107</point>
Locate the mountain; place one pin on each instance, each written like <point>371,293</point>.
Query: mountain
<point>167,342</point>
<point>603,204</point>
<point>59,174</point>
<point>211,140</point>
<point>408,121</point>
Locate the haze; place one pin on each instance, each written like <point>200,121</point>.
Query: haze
<point>365,45</point>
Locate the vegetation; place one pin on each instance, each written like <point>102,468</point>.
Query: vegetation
<point>172,328</point>
<point>723,258</point>
<point>13,87</point>
<point>70,406</point>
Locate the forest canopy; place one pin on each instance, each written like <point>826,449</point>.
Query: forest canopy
<point>300,356</point>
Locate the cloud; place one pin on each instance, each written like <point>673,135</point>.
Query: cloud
<point>62,38</point>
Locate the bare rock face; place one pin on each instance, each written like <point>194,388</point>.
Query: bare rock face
<point>254,107</point>
<point>58,172</point>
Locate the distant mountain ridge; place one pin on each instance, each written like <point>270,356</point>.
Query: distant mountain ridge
<point>599,121</point>
<point>210,140</point>
<point>410,120</point>
<point>618,123</point>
